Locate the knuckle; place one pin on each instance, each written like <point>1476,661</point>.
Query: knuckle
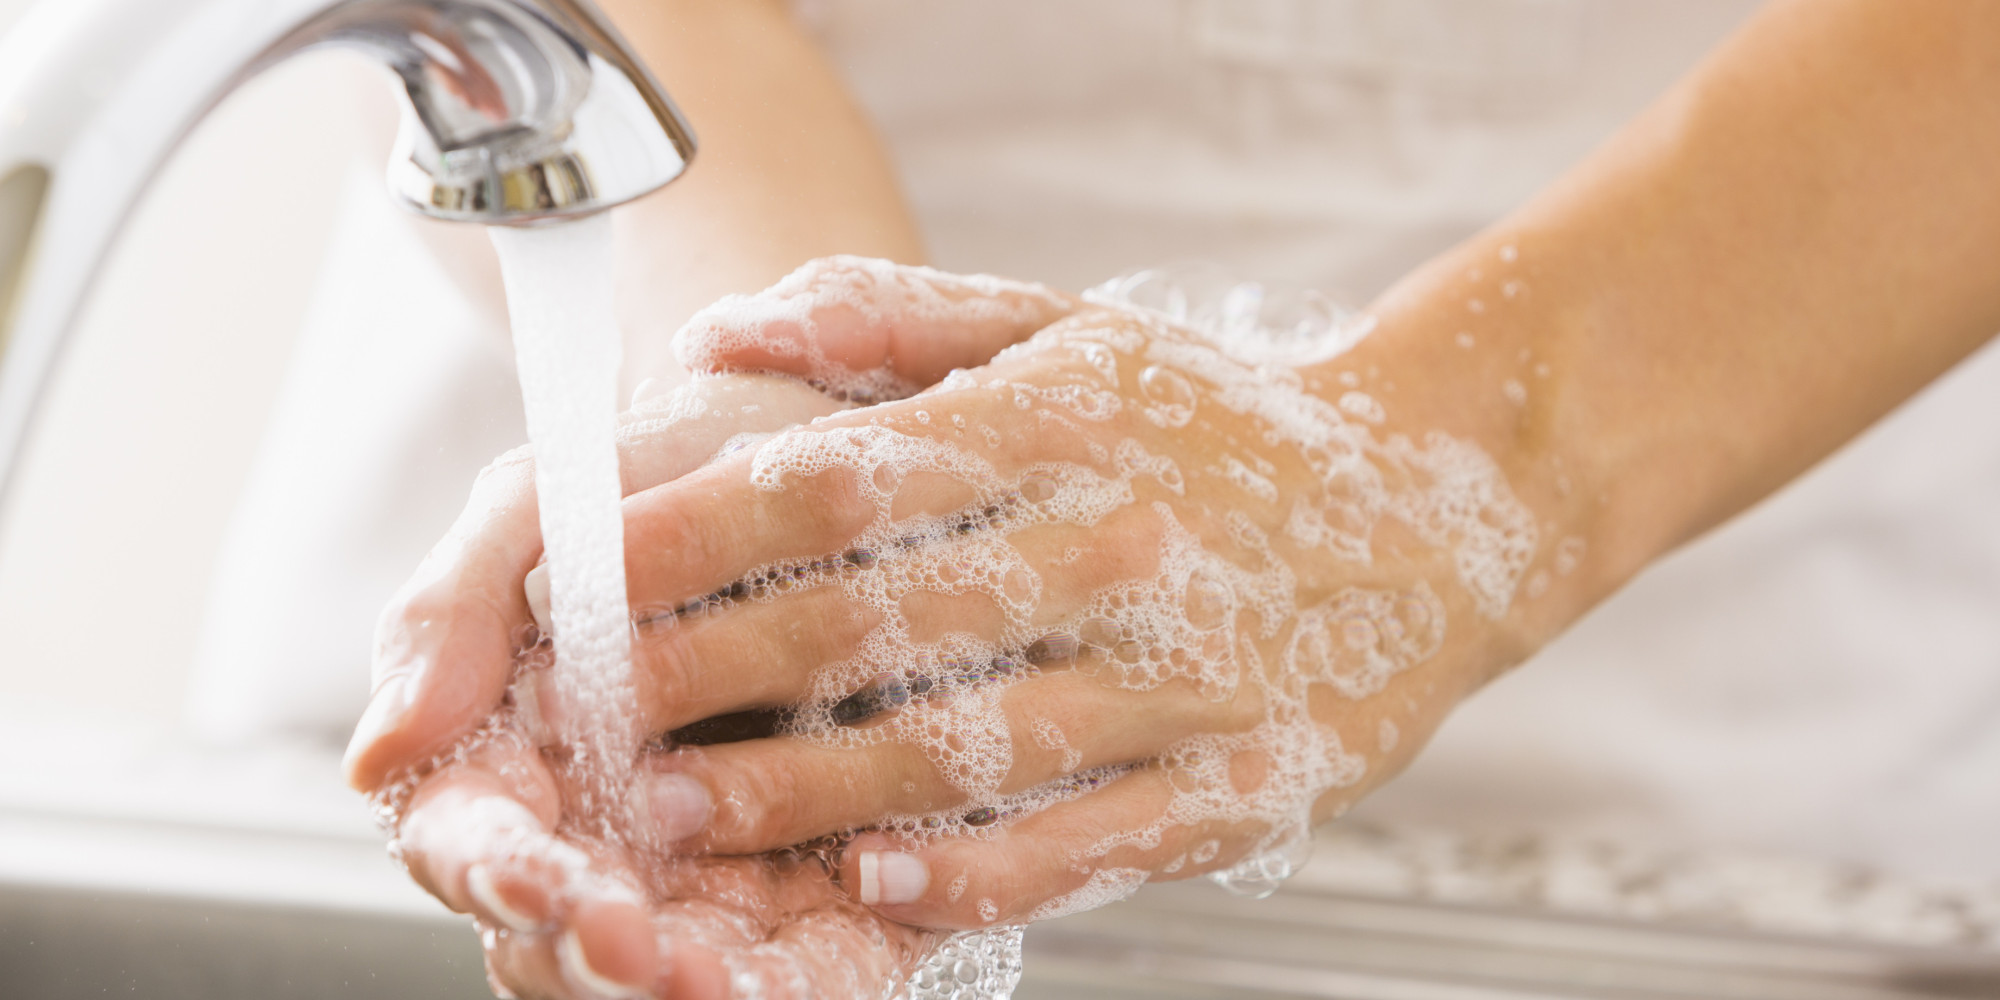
<point>675,532</point>
<point>1243,711</point>
<point>666,677</point>
<point>764,808</point>
<point>507,480</point>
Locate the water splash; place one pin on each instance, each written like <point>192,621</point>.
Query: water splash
<point>972,965</point>
<point>567,346</point>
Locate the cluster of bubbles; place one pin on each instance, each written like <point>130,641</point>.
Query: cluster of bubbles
<point>974,965</point>
<point>794,319</point>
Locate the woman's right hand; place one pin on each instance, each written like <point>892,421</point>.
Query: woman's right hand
<point>478,828</point>
<point>565,917</point>
<point>479,814</point>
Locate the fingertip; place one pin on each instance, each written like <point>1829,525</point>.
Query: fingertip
<point>674,807</point>
<point>535,588</point>
<point>512,904</point>
<point>388,710</point>
<point>879,873</point>
<point>891,878</point>
<point>609,949</point>
<point>693,972</point>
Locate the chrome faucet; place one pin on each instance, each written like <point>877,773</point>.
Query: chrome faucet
<point>519,112</point>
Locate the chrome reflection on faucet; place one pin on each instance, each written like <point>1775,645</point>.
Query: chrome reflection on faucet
<point>519,112</point>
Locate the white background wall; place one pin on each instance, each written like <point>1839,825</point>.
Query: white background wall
<point>106,547</point>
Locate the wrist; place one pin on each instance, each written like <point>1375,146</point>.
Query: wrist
<point>1481,345</point>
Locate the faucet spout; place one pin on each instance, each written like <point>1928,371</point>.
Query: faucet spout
<point>518,112</point>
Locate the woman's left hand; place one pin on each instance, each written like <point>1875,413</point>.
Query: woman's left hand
<point>1115,606</point>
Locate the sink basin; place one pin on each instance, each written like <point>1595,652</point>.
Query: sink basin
<point>1170,942</point>
<point>152,869</point>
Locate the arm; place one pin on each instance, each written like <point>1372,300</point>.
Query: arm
<point>1794,240</point>
<point>789,168</point>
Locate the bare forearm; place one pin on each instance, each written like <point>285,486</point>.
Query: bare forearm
<point>1800,236</point>
<point>789,169</point>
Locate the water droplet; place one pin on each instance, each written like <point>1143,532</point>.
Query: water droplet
<point>1209,602</point>
<point>1019,586</point>
<point>1414,615</point>
<point>1359,634</point>
<point>1165,385</point>
<point>1102,633</point>
<point>1170,392</point>
<point>1038,487</point>
<point>1051,649</point>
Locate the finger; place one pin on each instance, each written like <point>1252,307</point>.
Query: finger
<point>768,794</point>
<point>765,655</point>
<point>446,642</point>
<point>475,836</point>
<point>833,948</point>
<point>444,646</point>
<point>664,437</point>
<point>562,922</point>
<point>705,531</point>
<point>1075,855</point>
<point>749,657</point>
<point>810,493</point>
<point>868,329</point>
<point>607,948</point>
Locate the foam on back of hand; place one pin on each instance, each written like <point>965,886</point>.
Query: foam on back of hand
<point>836,322</point>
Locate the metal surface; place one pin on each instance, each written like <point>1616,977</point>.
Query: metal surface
<point>517,112</point>
<point>1178,943</point>
<point>175,873</point>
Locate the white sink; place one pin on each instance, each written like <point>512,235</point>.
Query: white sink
<point>131,864</point>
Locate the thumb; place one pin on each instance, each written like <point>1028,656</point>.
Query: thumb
<point>868,330</point>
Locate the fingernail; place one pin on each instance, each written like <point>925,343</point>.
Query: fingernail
<point>645,390</point>
<point>892,879</point>
<point>385,710</point>
<point>577,965</point>
<point>479,883</point>
<point>537,587</point>
<point>542,707</point>
<point>677,806</point>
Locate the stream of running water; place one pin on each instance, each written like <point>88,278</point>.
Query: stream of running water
<point>567,346</point>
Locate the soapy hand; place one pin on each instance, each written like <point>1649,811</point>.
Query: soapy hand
<point>573,916</point>
<point>483,830</point>
<point>479,816</point>
<point>1118,606</point>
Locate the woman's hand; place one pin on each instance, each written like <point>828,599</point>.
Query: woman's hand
<point>563,916</point>
<point>479,815</point>
<point>480,829</point>
<point>1113,607</point>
